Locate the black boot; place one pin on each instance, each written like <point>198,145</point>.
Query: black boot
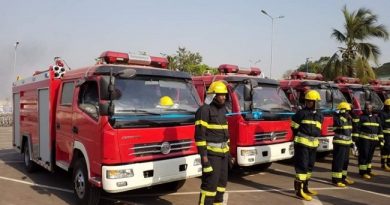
<point>306,188</point>
<point>298,186</point>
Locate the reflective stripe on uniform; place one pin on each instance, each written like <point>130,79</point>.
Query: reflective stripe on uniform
<point>218,149</point>
<point>201,143</point>
<point>204,194</point>
<point>386,131</point>
<point>217,203</point>
<point>369,166</point>
<point>356,120</point>
<point>306,141</point>
<point>208,169</point>
<point>345,127</point>
<point>368,137</point>
<point>380,136</point>
<point>355,134</point>
<point>343,119</point>
<point>363,167</point>
<point>344,142</point>
<point>312,122</point>
<point>372,124</point>
<point>345,172</point>
<point>301,177</point>
<point>211,126</point>
<point>294,125</point>
<point>309,175</point>
<point>387,120</point>
<point>221,189</point>
<point>337,175</point>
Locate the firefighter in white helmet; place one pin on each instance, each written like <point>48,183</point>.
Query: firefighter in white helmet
<point>212,137</point>
<point>306,125</point>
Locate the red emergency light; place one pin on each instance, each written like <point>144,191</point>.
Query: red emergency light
<point>112,57</point>
<point>227,68</point>
<point>380,82</point>
<point>306,76</point>
<point>343,79</point>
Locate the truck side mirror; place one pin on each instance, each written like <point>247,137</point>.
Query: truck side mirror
<point>103,87</point>
<point>329,96</point>
<point>247,92</point>
<point>367,95</point>
<point>106,109</point>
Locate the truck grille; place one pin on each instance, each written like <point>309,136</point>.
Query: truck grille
<point>161,147</point>
<point>271,136</point>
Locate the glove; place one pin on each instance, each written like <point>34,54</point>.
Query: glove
<point>206,166</point>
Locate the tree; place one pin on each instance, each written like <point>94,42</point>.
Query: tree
<point>314,66</point>
<point>187,61</point>
<point>359,26</point>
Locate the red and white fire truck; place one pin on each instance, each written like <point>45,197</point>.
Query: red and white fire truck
<point>258,118</point>
<point>381,88</point>
<point>295,89</point>
<point>125,123</point>
<point>358,94</point>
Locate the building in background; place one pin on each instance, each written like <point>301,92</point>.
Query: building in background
<point>383,72</point>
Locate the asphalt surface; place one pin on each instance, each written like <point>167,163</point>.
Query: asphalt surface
<point>249,186</point>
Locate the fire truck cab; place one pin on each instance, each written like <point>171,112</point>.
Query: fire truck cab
<point>125,123</point>
<point>295,89</point>
<point>358,94</point>
<point>258,118</point>
<point>381,88</point>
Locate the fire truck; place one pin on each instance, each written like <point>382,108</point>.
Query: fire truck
<point>125,123</point>
<point>295,89</point>
<point>358,94</point>
<point>381,88</point>
<point>259,116</point>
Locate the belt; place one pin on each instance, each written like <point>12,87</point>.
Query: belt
<point>311,138</point>
<point>368,135</point>
<point>343,137</point>
<point>217,145</point>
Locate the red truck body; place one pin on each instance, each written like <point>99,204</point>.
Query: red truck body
<point>257,136</point>
<point>381,88</point>
<point>78,122</point>
<point>295,89</point>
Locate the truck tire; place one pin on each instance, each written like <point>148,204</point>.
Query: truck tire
<point>85,192</point>
<point>28,163</point>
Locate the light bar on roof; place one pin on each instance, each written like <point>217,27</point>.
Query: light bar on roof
<point>112,57</point>
<point>306,76</point>
<point>227,68</point>
<point>343,79</point>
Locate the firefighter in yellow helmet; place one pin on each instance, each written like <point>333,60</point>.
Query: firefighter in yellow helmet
<point>212,137</point>
<point>306,125</point>
<point>370,132</point>
<point>342,122</point>
<point>385,141</point>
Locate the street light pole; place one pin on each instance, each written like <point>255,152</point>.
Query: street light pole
<point>16,47</point>
<point>272,36</point>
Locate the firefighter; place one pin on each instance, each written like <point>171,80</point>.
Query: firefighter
<point>306,124</point>
<point>342,121</point>
<point>370,129</point>
<point>385,142</point>
<point>212,137</point>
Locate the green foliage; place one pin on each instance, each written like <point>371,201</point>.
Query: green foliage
<point>360,25</point>
<point>185,60</point>
<point>314,66</point>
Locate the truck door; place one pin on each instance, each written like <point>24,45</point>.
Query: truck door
<point>64,132</point>
<point>86,123</point>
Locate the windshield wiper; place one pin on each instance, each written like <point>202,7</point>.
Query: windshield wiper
<point>180,109</point>
<point>138,111</point>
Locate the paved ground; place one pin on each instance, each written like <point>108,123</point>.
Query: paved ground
<point>275,186</point>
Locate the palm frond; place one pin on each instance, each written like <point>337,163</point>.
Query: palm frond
<point>338,35</point>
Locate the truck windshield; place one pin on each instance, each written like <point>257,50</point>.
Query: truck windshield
<point>154,96</point>
<point>338,97</point>
<point>270,98</point>
<point>376,102</point>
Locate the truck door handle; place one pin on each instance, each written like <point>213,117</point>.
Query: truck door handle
<point>58,126</point>
<point>75,130</point>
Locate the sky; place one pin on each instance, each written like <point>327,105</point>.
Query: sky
<point>222,31</point>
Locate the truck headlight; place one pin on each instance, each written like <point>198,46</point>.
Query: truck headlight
<point>249,152</point>
<point>197,162</point>
<point>118,174</point>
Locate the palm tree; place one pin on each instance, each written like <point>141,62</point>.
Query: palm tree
<point>359,26</point>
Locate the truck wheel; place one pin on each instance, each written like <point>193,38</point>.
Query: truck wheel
<point>85,192</point>
<point>28,163</point>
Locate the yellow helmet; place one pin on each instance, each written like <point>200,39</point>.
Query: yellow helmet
<point>312,95</point>
<point>387,102</point>
<point>217,87</point>
<point>166,101</point>
<point>344,105</point>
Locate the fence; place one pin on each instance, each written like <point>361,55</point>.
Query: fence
<point>5,120</point>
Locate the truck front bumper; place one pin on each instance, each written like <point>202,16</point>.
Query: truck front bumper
<point>326,144</point>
